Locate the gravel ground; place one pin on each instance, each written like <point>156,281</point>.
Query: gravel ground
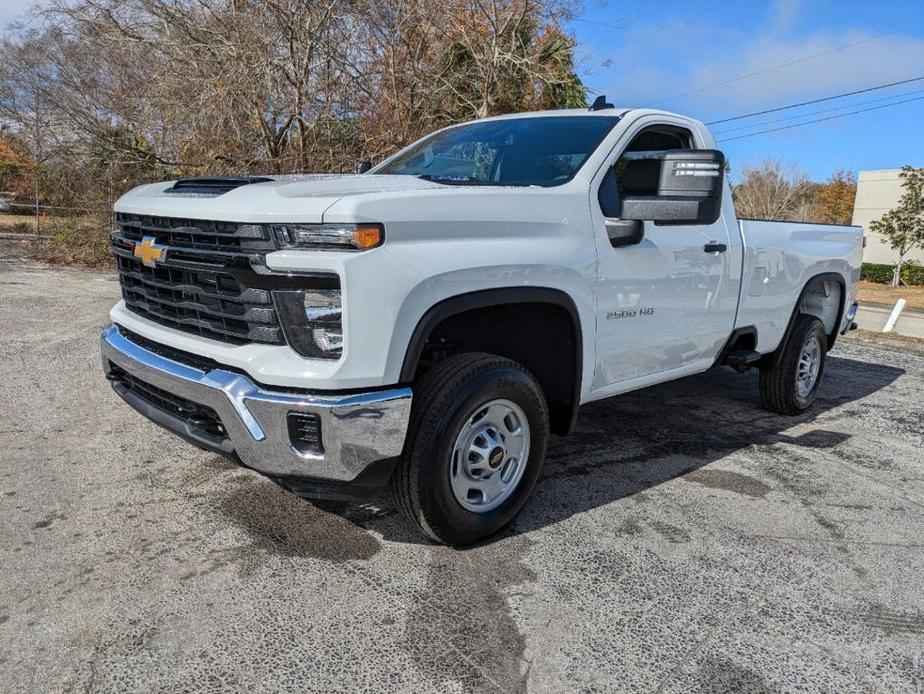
<point>683,540</point>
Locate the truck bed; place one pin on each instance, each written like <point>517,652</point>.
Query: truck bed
<point>780,258</point>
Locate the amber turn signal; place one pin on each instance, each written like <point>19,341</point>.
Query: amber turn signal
<point>367,236</point>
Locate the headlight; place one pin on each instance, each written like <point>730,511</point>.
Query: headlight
<point>355,237</point>
<point>312,321</point>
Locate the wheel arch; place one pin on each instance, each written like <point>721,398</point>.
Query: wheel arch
<point>827,312</point>
<point>563,414</point>
<point>814,300</point>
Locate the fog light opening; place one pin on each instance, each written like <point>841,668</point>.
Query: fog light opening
<point>305,432</point>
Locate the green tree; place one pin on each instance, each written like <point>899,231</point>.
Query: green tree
<point>833,199</point>
<point>903,225</point>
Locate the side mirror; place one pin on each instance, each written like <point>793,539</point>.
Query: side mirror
<point>363,166</point>
<point>690,187</point>
<point>624,232</point>
<point>621,232</point>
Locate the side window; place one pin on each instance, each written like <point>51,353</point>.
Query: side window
<point>638,168</point>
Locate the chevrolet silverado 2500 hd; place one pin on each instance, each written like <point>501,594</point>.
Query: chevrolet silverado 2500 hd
<point>428,323</point>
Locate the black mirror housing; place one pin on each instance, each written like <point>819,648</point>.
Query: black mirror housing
<point>690,188</point>
<point>363,166</point>
<point>695,173</point>
<point>673,209</point>
<point>624,232</point>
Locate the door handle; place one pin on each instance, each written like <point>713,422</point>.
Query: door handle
<point>713,247</point>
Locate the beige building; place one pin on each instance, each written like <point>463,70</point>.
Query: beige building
<point>877,193</point>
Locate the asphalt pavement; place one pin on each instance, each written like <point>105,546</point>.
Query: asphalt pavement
<point>683,540</point>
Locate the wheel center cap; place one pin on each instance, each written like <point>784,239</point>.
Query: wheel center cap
<point>496,457</point>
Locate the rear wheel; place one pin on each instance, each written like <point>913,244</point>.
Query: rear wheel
<point>475,448</point>
<point>789,386</point>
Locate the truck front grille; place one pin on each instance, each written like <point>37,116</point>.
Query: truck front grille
<point>208,278</point>
<point>190,289</point>
<point>196,234</point>
<point>209,304</point>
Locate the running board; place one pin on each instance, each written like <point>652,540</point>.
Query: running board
<point>742,359</point>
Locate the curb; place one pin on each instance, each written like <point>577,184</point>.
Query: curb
<point>873,317</point>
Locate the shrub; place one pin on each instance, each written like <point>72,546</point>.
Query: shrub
<point>912,273</point>
<point>877,272</point>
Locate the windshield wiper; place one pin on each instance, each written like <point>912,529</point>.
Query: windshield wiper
<point>451,180</point>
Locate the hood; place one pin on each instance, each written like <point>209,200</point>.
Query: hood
<point>292,198</point>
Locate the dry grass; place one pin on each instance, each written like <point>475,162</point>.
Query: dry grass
<point>887,295</point>
<point>17,223</point>
<point>80,241</point>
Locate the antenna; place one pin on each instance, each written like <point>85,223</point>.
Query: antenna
<point>600,103</point>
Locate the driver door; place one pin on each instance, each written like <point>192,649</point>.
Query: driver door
<point>665,301</point>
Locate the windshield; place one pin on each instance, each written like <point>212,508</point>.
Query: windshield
<point>539,151</point>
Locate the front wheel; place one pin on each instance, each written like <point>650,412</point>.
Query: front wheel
<point>789,386</point>
<point>476,443</point>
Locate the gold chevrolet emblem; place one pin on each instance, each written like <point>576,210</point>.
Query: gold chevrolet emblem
<point>149,252</point>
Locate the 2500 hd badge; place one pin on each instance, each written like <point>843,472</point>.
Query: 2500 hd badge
<point>629,313</point>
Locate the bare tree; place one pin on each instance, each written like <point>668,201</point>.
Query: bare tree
<point>773,191</point>
<point>135,90</point>
<point>438,63</point>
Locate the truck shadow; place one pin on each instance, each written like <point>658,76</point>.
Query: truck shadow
<point>628,444</point>
<point>631,443</point>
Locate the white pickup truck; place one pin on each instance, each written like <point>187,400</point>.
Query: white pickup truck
<point>427,323</point>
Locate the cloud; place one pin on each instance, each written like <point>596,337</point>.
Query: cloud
<point>870,61</point>
<point>785,15</point>
<point>683,78</point>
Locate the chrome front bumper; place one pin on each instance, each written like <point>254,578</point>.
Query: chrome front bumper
<point>357,429</point>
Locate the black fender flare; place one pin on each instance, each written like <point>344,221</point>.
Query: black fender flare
<point>462,303</point>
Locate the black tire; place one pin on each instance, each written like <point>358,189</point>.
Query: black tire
<point>443,399</point>
<point>779,387</point>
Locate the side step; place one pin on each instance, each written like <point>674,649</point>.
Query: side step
<point>742,359</point>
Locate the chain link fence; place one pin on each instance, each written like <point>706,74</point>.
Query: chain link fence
<point>57,234</point>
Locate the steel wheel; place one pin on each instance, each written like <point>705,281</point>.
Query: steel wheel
<point>489,455</point>
<point>809,366</point>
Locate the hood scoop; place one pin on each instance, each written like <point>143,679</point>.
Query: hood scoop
<point>213,185</point>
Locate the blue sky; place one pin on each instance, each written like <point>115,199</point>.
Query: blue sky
<point>658,51</point>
